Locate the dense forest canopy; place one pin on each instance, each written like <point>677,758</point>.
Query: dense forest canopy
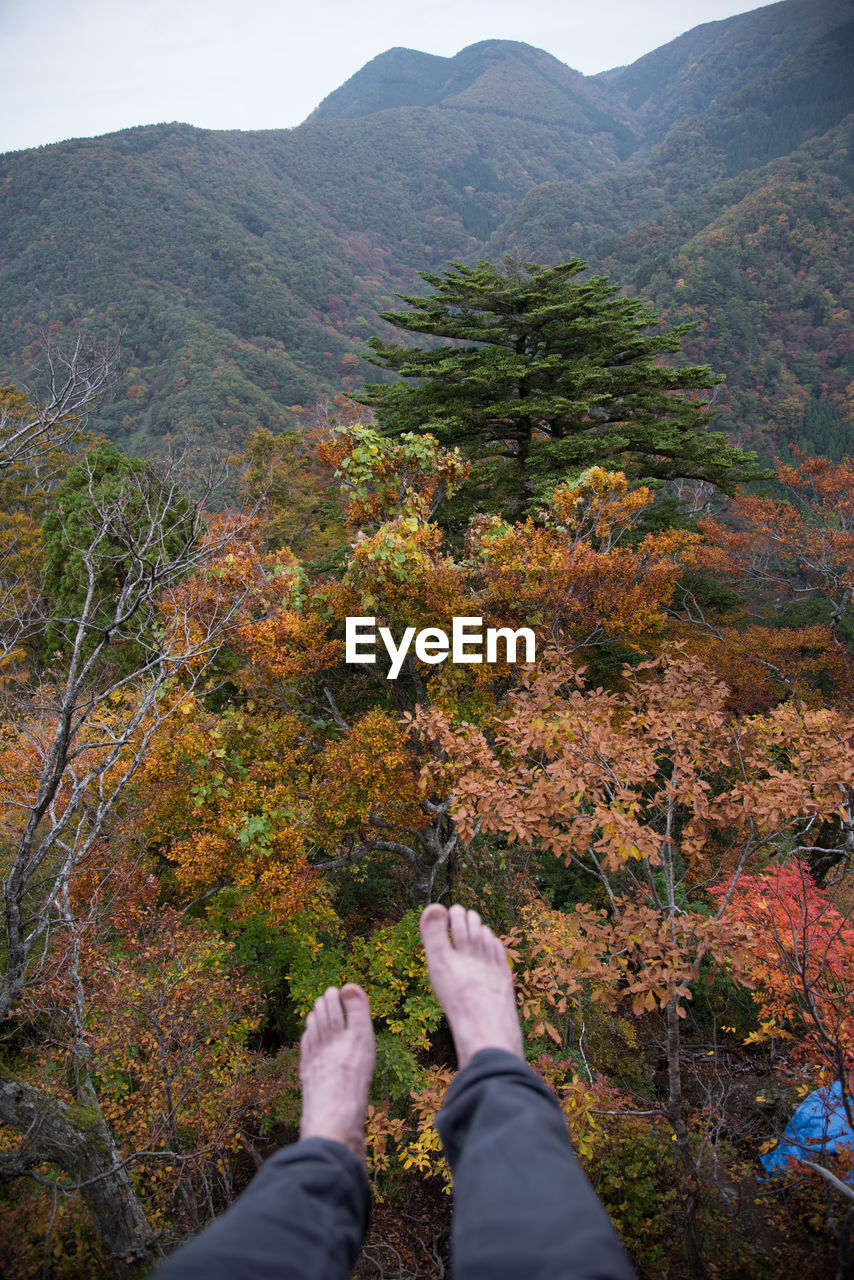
<point>209,813</point>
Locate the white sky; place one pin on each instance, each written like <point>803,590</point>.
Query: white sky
<point>77,68</point>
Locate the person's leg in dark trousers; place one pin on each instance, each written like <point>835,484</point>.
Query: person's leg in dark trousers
<point>523,1207</point>
<point>305,1214</point>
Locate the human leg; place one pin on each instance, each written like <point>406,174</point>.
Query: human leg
<point>523,1208</point>
<point>305,1213</point>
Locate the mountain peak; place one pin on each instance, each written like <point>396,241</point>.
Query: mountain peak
<point>408,78</point>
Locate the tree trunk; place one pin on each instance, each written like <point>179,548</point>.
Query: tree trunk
<point>433,847</point>
<point>428,859</point>
<point>76,1138</point>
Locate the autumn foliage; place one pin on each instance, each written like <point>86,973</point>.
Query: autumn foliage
<point>213,826</point>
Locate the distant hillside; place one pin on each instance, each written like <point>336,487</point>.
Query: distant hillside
<point>707,65</point>
<point>767,282</point>
<point>247,269</point>
<point>804,96</point>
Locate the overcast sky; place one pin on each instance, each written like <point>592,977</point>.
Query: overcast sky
<point>76,68</point>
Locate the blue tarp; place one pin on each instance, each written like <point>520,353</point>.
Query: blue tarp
<point>818,1125</point>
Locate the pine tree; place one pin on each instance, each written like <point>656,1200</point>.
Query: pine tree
<point>554,375</point>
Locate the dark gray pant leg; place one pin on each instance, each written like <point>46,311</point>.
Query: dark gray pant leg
<point>303,1217</point>
<point>523,1207</point>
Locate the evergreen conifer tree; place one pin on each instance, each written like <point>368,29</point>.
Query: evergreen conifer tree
<point>554,374</point>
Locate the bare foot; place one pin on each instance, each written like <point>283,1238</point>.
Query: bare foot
<point>471,977</point>
<point>337,1058</point>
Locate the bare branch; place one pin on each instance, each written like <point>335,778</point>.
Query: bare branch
<point>831,1179</point>
<point>77,381</point>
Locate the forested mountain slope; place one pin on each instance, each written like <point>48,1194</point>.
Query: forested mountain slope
<point>806,95</point>
<point>247,268</point>
<point>707,65</point>
<point>768,284</point>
